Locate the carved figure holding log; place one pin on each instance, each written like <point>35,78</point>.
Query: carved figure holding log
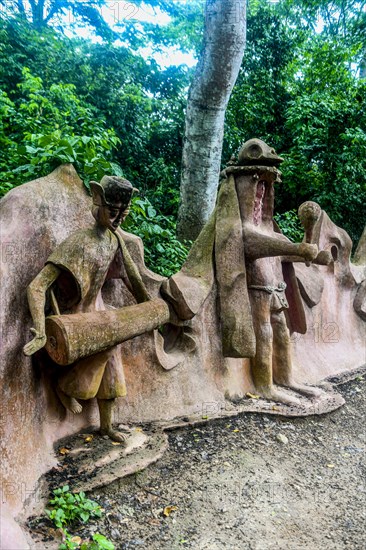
<point>71,282</point>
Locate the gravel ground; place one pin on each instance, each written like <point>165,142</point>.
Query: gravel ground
<point>255,482</point>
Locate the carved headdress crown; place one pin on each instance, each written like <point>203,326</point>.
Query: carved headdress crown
<point>256,152</point>
<point>113,190</point>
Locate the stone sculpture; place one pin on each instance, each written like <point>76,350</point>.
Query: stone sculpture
<point>268,256</point>
<point>72,279</point>
<point>213,334</point>
<point>253,269</point>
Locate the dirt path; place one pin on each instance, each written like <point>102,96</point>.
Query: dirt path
<point>253,482</point>
<point>237,486</point>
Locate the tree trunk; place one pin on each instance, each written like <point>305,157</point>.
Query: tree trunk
<point>363,66</point>
<point>215,76</point>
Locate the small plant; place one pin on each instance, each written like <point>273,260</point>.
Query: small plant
<point>69,508</point>
<point>69,541</point>
<point>99,542</point>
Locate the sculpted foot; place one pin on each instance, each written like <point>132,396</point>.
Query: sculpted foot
<point>68,402</point>
<point>105,411</point>
<point>306,390</point>
<point>114,435</point>
<point>280,396</point>
<point>302,388</point>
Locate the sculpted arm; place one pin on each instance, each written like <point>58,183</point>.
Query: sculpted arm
<point>260,245</point>
<point>36,294</point>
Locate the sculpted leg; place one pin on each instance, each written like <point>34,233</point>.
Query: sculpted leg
<point>81,381</point>
<point>68,402</point>
<point>261,364</point>
<point>105,412</point>
<point>282,363</point>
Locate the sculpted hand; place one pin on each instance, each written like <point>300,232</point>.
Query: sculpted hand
<point>308,251</point>
<point>37,343</point>
<point>324,258</point>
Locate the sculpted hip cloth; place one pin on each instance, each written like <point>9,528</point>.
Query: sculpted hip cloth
<point>278,297</point>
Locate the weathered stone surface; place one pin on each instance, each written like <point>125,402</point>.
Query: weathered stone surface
<point>74,336</point>
<point>100,461</point>
<point>360,254</point>
<point>164,382</point>
<point>34,217</point>
<point>360,301</point>
<point>311,283</point>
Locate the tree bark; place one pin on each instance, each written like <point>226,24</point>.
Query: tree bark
<point>363,66</point>
<point>215,76</point>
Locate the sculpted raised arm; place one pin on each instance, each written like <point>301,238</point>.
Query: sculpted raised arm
<point>36,294</point>
<point>259,245</point>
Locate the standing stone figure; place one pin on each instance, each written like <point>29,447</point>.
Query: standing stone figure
<point>242,252</point>
<point>268,257</point>
<point>71,282</point>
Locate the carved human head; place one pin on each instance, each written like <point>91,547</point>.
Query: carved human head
<point>255,186</point>
<point>111,199</point>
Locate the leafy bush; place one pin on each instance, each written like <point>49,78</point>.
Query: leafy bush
<point>48,127</point>
<point>70,508</point>
<point>290,225</point>
<point>164,254</point>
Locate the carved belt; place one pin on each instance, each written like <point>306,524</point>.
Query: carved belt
<point>278,297</point>
<point>270,289</point>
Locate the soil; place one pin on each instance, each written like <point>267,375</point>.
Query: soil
<point>255,481</point>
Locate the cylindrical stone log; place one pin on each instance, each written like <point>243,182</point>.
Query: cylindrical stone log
<point>72,337</point>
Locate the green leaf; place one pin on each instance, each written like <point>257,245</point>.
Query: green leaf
<point>103,542</point>
<point>151,212</point>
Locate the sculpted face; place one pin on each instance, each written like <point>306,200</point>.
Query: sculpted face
<point>112,200</point>
<point>111,216</point>
<point>258,202</point>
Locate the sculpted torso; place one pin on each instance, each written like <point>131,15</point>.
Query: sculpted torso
<point>264,271</point>
<point>87,255</point>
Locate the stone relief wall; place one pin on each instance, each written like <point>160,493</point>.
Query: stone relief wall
<point>196,367</point>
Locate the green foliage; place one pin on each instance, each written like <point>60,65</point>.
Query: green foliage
<point>185,27</point>
<point>41,14</point>
<point>72,508</point>
<point>103,106</point>
<point>99,542</point>
<point>164,254</point>
<point>69,507</point>
<point>327,122</point>
<point>290,225</point>
<point>257,105</point>
<point>300,90</point>
<point>44,128</point>
<point>68,543</point>
<point>139,103</point>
